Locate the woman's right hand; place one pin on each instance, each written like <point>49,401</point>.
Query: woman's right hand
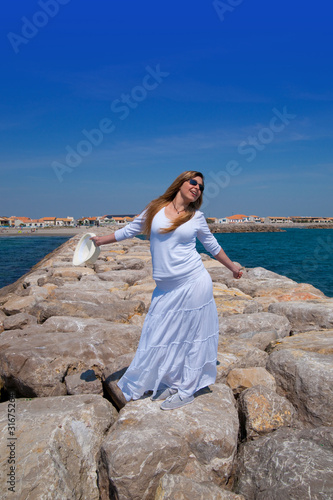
<point>98,240</point>
<point>103,240</point>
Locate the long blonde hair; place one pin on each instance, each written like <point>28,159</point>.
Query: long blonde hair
<point>169,195</point>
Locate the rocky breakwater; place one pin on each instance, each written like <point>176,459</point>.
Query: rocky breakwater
<point>263,431</point>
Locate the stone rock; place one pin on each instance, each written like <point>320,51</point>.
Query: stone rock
<point>240,379</point>
<point>139,249</point>
<point>306,379</point>
<point>287,464</point>
<point>231,300</point>
<point>207,428</point>
<point>110,376</point>
<point>174,486</point>
<point>131,277</point>
<point>258,328</point>
<point>19,320</point>
<point>306,315</point>
<point>84,383</point>
<point>45,280</point>
<point>320,341</point>
<point>35,361</point>
<point>237,354</point>
<point>56,447</point>
<point>263,411</point>
<point>18,304</point>
<point>256,287</point>
<point>112,309</point>
<point>71,273</point>
<point>2,319</point>
<point>220,273</point>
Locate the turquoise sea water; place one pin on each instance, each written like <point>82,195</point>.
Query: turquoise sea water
<point>304,255</point>
<point>18,254</point>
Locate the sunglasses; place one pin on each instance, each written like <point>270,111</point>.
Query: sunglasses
<point>193,182</point>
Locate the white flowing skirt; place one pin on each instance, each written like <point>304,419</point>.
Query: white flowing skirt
<point>178,343</point>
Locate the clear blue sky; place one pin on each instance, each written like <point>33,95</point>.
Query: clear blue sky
<point>244,95</point>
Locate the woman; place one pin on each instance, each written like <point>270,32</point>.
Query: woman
<point>177,351</point>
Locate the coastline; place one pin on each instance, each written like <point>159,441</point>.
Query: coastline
<point>215,228</point>
<point>24,232</point>
<point>248,227</point>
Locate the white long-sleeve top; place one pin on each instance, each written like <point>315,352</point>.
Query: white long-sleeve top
<point>174,254</point>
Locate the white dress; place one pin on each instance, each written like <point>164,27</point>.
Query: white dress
<point>178,343</point>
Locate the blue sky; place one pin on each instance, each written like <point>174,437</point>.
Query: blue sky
<point>104,103</point>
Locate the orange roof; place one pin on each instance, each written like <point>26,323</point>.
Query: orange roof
<point>237,216</point>
<point>63,218</point>
<point>20,218</point>
<point>47,218</point>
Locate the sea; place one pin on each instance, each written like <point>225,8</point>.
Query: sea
<point>18,254</point>
<point>304,255</point>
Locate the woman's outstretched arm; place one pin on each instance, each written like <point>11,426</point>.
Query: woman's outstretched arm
<point>104,240</point>
<point>224,259</point>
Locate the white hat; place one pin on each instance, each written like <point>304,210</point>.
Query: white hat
<point>86,252</point>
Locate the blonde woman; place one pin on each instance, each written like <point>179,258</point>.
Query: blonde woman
<point>177,351</point>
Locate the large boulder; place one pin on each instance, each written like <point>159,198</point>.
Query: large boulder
<point>263,411</point>
<point>147,442</point>
<point>287,464</point>
<point>320,341</point>
<point>173,486</point>
<point>19,320</point>
<point>237,354</point>
<point>258,328</point>
<point>35,361</point>
<point>240,379</point>
<point>306,379</point>
<point>230,301</point>
<point>111,309</point>
<point>306,315</point>
<point>54,446</point>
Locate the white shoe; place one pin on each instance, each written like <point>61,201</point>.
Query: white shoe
<point>176,401</point>
<point>163,394</point>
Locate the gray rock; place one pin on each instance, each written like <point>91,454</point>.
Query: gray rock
<point>263,411</point>
<point>172,486</point>
<point>306,379</point>
<point>85,382</point>
<point>128,276</point>
<point>19,320</point>
<point>240,379</point>
<point>147,442</point>
<point>287,464</point>
<point>35,361</point>
<point>320,341</point>
<point>112,374</point>
<point>114,310</point>
<point>306,315</point>
<point>56,446</point>
<point>16,305</point>
<point>237,354</point>
<point>258,327</point>
<point>2,319</point>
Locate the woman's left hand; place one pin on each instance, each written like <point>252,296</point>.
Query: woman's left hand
<point>237,274</point>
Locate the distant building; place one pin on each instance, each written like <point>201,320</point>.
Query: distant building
<point>277,220</point>
<point>239,218</point>
<point>18,221</point>
<point>88,221</point>
<point>35,223</point>
<point>68,221</point>
<point>4,221</point>
<point>48,221</point>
